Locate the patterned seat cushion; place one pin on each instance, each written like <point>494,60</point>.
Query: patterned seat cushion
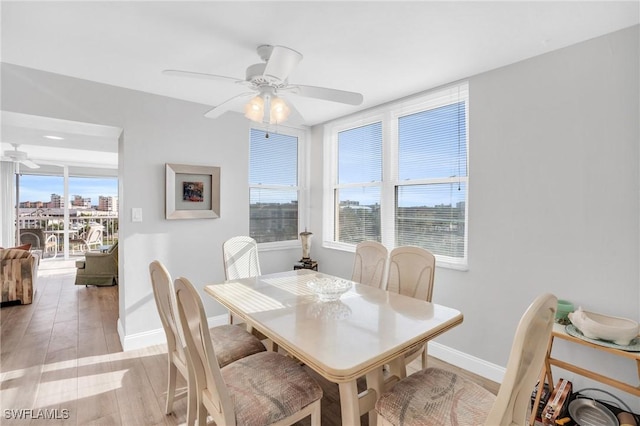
<point>268,387</point>
<point>435,397</point>
<point>232,342</point>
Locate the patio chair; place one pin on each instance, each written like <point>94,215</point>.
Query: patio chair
<point>232,342</point>
<point>91,240</point>
<point>39,241</point>
<point>440,397</point>
<point>260,389</point>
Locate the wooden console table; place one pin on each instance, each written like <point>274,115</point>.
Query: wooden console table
<point>560,333</point>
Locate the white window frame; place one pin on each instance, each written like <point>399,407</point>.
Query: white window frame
<point>331,174</point>
<point>389,114</point>
<point>303,135</point>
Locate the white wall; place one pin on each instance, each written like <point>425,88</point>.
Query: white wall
<point>157,130</point>
<point>553,198</point>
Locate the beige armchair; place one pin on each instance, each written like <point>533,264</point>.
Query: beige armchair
<point>98,268</point>
<point>18,274</point>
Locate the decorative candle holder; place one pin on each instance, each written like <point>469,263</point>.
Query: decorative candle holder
<point>306,246</point>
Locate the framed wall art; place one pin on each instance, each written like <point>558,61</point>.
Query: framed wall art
<point>192,192</point>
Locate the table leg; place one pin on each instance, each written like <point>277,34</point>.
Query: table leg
<point>349,406</point>
<point>397,368</point>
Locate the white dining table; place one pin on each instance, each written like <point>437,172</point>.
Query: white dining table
<point>341,340</point>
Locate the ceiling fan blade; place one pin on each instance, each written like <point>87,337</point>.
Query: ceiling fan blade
<point>281,62</point>
<point>30,164</point>
<point>294,116</point>
<point>231,104</point>
<point>335,95</point>
<point>191,74</point>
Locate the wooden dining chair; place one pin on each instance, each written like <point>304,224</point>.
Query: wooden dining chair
<point>439,397</point>
<point>266,388</point>
<point>240,258</point>
<point>240,255</point>
<point>233,342</point>
<point>411,273</point>
<point>369,265</point>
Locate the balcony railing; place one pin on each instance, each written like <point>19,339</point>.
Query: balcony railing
<point>51,224</point>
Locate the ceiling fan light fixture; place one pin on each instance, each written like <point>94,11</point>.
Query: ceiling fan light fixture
<point>279,110</point>
<point>267,108</point>
<point>254,109</point>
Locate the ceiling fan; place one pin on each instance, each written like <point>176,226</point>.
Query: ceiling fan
<point>19,157</point>
<point>267,81</point>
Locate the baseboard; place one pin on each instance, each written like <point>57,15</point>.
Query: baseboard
<point>467,362</point>
<point>157,336</point>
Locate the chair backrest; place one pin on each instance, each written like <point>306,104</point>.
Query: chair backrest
<point>411,271</point>
<point>33,236</point>
<point>369,265</point>
<point>94,235</point>
<point>525,363</point>
<point>240,258</point>
<point>164,294</point>
<point>200,353</point>
<point>113,251</point>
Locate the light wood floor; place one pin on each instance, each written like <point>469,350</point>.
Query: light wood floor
<point>61,360</point>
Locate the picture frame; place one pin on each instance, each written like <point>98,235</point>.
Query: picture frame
<point>192,192</point>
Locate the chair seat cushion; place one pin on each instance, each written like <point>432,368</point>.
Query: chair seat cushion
<point>268,387</point>
<point>232,342</point>
<point>435,397</point>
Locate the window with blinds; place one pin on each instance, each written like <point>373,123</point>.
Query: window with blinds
<point>430,208</point>
<point>273,187</point>
<point>406,185</point>
<point>357,195</point>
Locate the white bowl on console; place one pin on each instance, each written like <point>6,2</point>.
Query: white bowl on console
<point>620,331</point>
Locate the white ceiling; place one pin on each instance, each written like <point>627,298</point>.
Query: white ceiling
<point>384,50</point>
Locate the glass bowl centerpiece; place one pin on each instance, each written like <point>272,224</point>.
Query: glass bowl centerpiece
<point>329,289</point>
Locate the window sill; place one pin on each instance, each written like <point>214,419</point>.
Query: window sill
<point>440,263</point>
<point>280,245</point>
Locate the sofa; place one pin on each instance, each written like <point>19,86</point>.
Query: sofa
<point>18,274</point>
<point>100,269</point>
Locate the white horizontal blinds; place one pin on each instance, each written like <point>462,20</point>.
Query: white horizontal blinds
<point>360,154</point>
<point>432,144</point>
<point>273,187</point>
<point>358,191</point>
<point>273,160</point>
<point>431,190</point>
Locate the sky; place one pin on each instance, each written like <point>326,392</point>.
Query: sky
<point>40,188</point>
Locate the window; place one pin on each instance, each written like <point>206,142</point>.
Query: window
<point>399,176</point>
<point>357,194</point>
<point>273,187</point>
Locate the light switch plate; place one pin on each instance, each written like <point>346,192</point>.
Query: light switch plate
<point>136,214</point>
